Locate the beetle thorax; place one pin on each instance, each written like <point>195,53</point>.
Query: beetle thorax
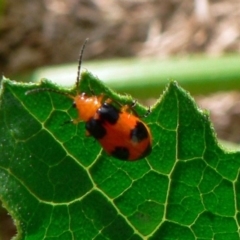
<point>87,106</point>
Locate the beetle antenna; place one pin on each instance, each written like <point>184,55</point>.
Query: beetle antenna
<point>80,63</point>
<point>77,81</point>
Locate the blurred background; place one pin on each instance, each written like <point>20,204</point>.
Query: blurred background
<point>196,42</point>
<point>47,32</point>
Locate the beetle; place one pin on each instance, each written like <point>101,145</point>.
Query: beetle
<point>118,129</point>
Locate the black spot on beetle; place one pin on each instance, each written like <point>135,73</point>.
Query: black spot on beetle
<point>95,128</point>
<point>108,113</point>
<point>120,153</point>
<point>139,132</point>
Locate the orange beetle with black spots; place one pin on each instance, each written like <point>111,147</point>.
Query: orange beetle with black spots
<point>118,129</point>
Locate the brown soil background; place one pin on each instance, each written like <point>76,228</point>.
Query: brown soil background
<point>37,33</point>
<point>46,32</point>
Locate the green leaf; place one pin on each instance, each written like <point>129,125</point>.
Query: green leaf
<point>58,184</point>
